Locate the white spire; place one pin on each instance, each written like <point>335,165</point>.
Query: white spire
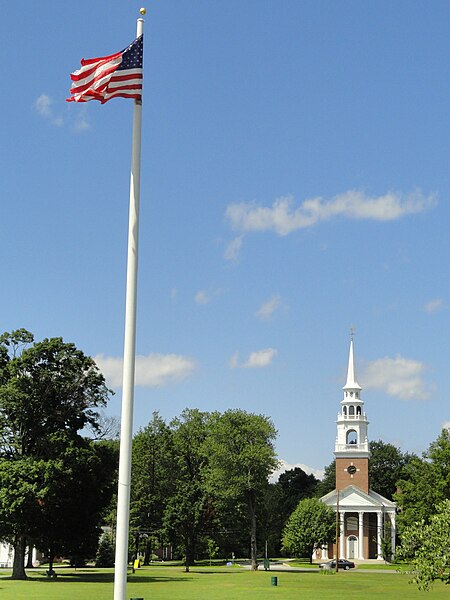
<point>351,378</point>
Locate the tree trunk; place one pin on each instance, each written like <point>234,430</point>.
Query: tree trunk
<point>29,564</point>
<point>148,553</point>
<point>190,552</point>
<point>253,547</point>
<point>19,558</point>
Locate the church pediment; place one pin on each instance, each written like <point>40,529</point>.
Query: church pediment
<point>353,498</point>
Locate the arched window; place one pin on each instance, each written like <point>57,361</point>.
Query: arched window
<point>356,394</point>
<point>352,437</point>
<point>345,411</point>
<point>351,410</point>
<point>358,410</point>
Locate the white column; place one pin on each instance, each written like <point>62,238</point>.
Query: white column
<point>393,531</point>
<point>361,535</point>
<point>379,532</point>
<point>342,550</point>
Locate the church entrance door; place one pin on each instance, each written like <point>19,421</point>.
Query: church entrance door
<point>352,546</point>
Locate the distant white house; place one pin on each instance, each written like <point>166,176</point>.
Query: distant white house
<point>7,556</point>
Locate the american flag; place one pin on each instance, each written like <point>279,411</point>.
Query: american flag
<point>115,76</point>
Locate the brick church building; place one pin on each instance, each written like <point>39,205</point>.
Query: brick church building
<point>366,518</point>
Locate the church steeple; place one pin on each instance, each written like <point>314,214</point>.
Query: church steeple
<point>352,444</point>
<point>351,384</point>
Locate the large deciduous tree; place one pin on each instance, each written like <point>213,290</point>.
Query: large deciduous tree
<point>311,525</point>
<point>425,483</point>
<point>49,392</point>
<point>426,545</point>
<point>295,485</point>
<point>186,511</point>
<point>386,466</point>
<point>240,448</point>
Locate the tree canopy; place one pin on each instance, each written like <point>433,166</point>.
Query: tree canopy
<point>311,525</point>
<point>425,483</point>
<point>427,546</point>
<point>241,457</point>
<point>49,393</point>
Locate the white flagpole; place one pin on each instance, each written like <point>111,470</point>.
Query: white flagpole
<point>129,353</point>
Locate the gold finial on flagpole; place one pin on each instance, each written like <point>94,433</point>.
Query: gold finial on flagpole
<point>142,11</point>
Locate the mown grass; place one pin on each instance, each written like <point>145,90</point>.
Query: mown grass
<point>218,583</point>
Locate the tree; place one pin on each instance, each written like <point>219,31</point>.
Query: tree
<point>295,485</point>
<point>187,510</point>
<point>425,483</point>
<point>49,391</point>
<point>311,525</point>
<point>240,447</point>
<point>427,547</point>
<point>281,499</point>
<point>151,484</point>
<point>105,552</point>
<point>328,482</point>
<point>386,466</point>
<point>71,512</point>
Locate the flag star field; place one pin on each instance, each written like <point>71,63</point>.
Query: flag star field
<point>294,184</point>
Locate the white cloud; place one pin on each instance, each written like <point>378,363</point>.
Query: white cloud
<point>399,377</point>
<point>153,370</point>
<point>44,107</point>
<point>268,308</point>
<point>234,361</point>
<point>202,297</point>
<point>433,305</point>
<point>258,359</point>
<point>284,466</point>
<point>206,296</point>
<point>232,250</point>
<point>283,218</point>
<point>81,123</point>
<point>77,116</point>
<point>261,358</point>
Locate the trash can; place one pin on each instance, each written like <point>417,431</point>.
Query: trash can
<point>274,580</point>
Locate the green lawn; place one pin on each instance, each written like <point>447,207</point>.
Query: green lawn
<point>217,583</point>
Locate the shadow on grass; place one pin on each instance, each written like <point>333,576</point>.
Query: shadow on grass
<point>106,578</point>
<point>78,577</point>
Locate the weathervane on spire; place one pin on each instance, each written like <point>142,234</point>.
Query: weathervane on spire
<point>352,332</point>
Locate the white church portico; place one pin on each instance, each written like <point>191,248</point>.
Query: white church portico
<point>365,517</point>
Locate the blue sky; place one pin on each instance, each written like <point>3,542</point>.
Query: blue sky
<point>295,182</point>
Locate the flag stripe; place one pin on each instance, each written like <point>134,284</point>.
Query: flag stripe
<point>100,66</point>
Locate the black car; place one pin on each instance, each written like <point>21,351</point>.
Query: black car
<point>342,564</point>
